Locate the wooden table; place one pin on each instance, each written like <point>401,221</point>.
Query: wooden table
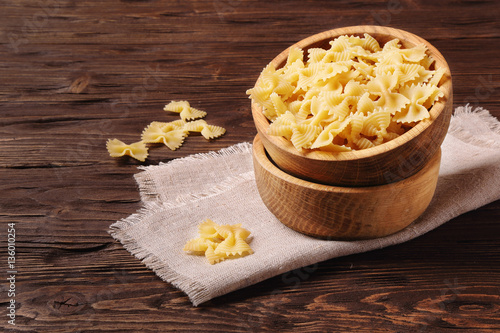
<point>75,73</point>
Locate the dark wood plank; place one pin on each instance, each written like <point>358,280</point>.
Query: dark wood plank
<point>75,73</point>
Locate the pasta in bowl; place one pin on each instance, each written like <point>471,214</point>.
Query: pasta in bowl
<point>354,106</point>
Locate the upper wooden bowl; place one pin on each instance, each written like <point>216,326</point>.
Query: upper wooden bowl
<point>386,163</point>
<point>343,213</point>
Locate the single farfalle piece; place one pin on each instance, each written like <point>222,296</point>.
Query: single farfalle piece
<point>233,246</point>
<point>390,100</point>
<point>186,112</point>
<point>137,150</point>
<point>168,134</point>
<point>219,242</point>
<point>234,240</point>
<point>415,111</point>
<point>208,131</point>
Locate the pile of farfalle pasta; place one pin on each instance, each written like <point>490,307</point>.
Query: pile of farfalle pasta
<point>172,134</point>
<point>355,95</point>
<point>219,242</point>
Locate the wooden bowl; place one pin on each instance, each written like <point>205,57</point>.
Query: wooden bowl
<point>383,164</point>
<point>343,213</point>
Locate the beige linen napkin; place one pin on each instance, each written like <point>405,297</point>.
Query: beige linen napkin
<point>179,195</point>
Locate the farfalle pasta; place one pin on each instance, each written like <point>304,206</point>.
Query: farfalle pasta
<point>219,242</point>
<point>355,95</point>
<point>206,130</point>
<point>171,134</point>
<point>185,110</point>
<point>137,150</point>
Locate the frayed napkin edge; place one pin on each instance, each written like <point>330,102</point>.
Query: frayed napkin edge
<point>118,231</point>
<point>484,116</point>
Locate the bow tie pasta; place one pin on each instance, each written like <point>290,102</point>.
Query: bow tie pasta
<point>171,134</point>
<point>219,242</point>
<point>355,95</point>
<point>137,150</point>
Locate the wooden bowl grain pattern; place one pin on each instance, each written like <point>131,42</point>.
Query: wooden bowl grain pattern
<point>383,164</point>
<point>343,213</point>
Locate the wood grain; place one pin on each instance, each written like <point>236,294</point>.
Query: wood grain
<point>75,73</point>
<point>343,213</point>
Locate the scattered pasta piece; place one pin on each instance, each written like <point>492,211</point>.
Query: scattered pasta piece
<point>185,110</point>
<point>208,131</point>
<point>171,134</point>
<point>219,242</point>
<point>137,150</point>
<point>355,95</point>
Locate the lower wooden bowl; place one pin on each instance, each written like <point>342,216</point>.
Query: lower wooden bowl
<point>343,213</point>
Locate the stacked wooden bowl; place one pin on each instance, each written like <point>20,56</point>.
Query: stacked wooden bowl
<point>357,194</point>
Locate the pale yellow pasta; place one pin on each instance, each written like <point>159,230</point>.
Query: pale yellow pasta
<point>174,139</point>
<point>157,127</point>
<point>316,54</point>
<point>424,75</point>
<point>349,96</point>
<point>278,104</point>
<point>435,95</point>
<point>326,136</point>
<point>304,135</point>
<point>366,104</point>
<point>173,133</point>
<point>260,95</point>
<point>173,125</point>
<point>213,257</point>
<point>301,135</point>
<point>185,110</point>
<point>219,242</point>
<point>240,232</point>
<point>370,43</point>
<point>137,150</point>
<point>319,114</point>
<point>199,244</point>
<point>169,135</point>
<point>408,72</point>
<point>232,246</point>
<point>233,242</point>
<point>208,131</point>
<point>294,55</point>
<point>436,78</point>
<point>207,229</point>
<point>376,123</point>
<point>415,110</point>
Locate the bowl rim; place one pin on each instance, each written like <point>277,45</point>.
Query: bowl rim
<point>434,112</point>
